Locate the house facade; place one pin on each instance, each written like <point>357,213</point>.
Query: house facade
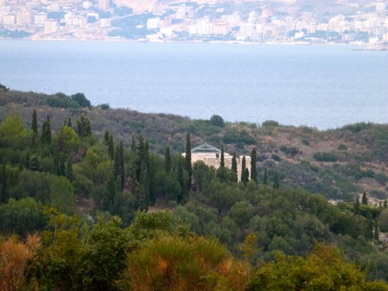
<point>211,156</point>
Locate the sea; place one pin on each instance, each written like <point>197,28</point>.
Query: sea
<point>321,86</point>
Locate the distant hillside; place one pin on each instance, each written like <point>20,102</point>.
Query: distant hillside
<point>338,164</point>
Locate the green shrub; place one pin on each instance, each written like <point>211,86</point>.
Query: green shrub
<point>290,151</point>
<point>325,157</point>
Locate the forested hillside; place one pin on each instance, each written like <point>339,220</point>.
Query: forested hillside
<point>94,198</point>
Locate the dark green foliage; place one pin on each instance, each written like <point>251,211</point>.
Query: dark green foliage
<point>21,217</point>
<point>222,160</point>
<point>276,182</point>
<point>244,177</point>
<point>81,100</point>
<point>3,88</point>
<point>61,100</point>
<point>253,166</point>
<point>167,160</point>
<point>104,106</point>
<point>275,157</point>
<point>183,178</point>
<point>84,128</point>
<point>238,137</point>
<point>290,151</point>
<point>325,157</point>
<point>364,199</point>
<point>376,232</point>
<point>4,183</point>
<point>265,177</point>
<point>188,166</point>
<point>270,123</point>
<point>356,209</point>
<point>45,137</point>
<point>342,147</point>
<point>217,120</point>
<point>104,257</point>
<point>381,178</point>
<point>34,123</point>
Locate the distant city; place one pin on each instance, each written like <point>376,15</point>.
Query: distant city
<point>281,21</point>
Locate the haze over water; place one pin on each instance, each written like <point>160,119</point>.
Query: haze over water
<point>317,86</point>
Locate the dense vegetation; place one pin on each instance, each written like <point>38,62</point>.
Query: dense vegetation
<point>76,183</point>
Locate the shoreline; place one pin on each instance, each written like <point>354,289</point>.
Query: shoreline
<point>233,42</point>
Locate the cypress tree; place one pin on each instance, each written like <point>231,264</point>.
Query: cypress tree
<point>265,177</point>
<point>106,137</point>
<point>34,123</point>
<point>188,166</point>
<point>253,166</point>
<point>46,131</point>
<point>84,128</point>
<point>364,199</point>
<point>110,193</point>
<point>243,172</point>
<point>234,163</point>
<point>167,160</point>
<point>234,167</point>
<point>356,208</point>
<point>222,163</point>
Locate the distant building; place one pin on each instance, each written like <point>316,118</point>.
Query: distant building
<point>211,156</point>
<point>380,7</point>
<point>51,26</point>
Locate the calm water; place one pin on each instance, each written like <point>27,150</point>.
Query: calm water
<point>321,86</point>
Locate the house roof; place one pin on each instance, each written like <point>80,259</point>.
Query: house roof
<point>205,148</point>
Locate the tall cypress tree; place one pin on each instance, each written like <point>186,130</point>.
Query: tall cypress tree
<point>46,131</point>
<point>356,208</point>
<point>253,166</point>
<point>167,160</point>
<point>222,163</point>
<point>364,199</point>
<point>234,167</point>
<point>34,124</point>
<point>243,172</point>
<point>188,166</point>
